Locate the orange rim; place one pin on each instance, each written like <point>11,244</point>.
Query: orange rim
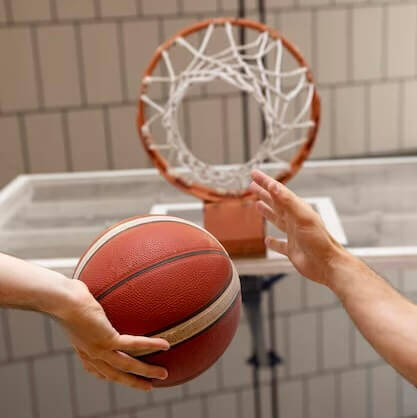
<point>204,192</point>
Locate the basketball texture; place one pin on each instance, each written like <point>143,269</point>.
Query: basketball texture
<point>166,277</point>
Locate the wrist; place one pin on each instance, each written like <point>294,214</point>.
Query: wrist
<point>344,269</point>
<point>69,296</point>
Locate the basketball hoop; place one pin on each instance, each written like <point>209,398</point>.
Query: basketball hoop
<point>288,101</point>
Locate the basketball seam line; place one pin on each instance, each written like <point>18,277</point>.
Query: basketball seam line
<point>161,218</point>
<point>154,266</point>
<point>201,309</point>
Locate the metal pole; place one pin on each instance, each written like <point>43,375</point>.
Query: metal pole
<point>244,95</point>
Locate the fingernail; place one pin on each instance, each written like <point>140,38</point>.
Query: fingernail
<point>164,375</point>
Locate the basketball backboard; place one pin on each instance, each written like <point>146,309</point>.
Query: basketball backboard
<point>52,218</point>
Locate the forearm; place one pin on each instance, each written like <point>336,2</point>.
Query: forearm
<point>27,286</point>
<point>384,317</point>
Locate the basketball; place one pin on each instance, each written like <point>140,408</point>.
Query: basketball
<point>162,276</point>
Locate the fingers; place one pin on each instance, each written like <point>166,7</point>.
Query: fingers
<point>262,179</point>
<point>125,363</point>
<point>280,246</point>
<point>102,370</point>
<point>271,215</point>
<point>282,198</point>
<point>261,193</point>
<point>121,377</point>
<point>134,345</point>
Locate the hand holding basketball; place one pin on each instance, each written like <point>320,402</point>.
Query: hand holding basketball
<point>102,349</point>
<point>310,247</point>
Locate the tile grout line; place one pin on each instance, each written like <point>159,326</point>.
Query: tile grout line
<point>72,384</point>
<point>363,84</point>
<point>80,64</point>
<point>192,15</point>
<point>9,11</point>
<point>67,141</point>
<point>37,65</point>
<point>48,333</point>
<point>108,138</point>
<point>24,143</point>
<point>33,391</point>
<point>53,11</point>
<point>7,335</point>
<point>122,61</point>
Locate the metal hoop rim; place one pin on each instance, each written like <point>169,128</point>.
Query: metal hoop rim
<point>206,193</point>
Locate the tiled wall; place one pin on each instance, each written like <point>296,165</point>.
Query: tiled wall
<point>70,72</point>
<point>329,371</point>
<point>68,80</point>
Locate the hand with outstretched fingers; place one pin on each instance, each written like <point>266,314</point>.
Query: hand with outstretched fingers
<point>309,246</point>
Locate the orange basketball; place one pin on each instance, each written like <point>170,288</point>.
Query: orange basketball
<point>167,277</point>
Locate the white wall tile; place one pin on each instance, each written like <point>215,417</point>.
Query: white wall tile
<point>59,338</point>
<point>331,65</point>
<point>92,394</point>
<point>336,342</point>
<point>234,133</point>
<point>88,141</point>
<point>158,7</point>
<point>110,8</point>
<point>206,382</point>
<point>409,116</point>
<point>44,133</point>
<point>287,293</point>
<point>192,408</point>
<point>74,9</point>
<point>10,150</point>
<point>402,40</point>
<point>367,43</point>
<point>127,397</point>
<point>29,11</point>
<point>127,149</point>
<point>167,394</point>
<point>353,394</point>
<point>291,398</point>
<point>274,4</point>
<point>410,280</point>
<point>384,392</point>
<point>50,390</point>
<point>236,371</point>
<point>18,86</point>
<point>206,130</point>
<point>15,391</point>
<point>296,26</point>
<point>318,295</point>
<point>59,69</point>
<point>350,121</point>
<point>223,405</point>
<point>384,117</point>
<point>232,4</point>
<point>409,399</point>
<point>198,6</point>
<point>364,352</point>
<point>302,334</point>
<point>140,36</point>
<point>27,333</point>
<point>323,145</point>
<point>101,62</point>
<point>322,397</point>
<point>158,412</point>
<point>308,3</point>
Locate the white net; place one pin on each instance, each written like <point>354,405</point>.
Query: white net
<point>284,97</point>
